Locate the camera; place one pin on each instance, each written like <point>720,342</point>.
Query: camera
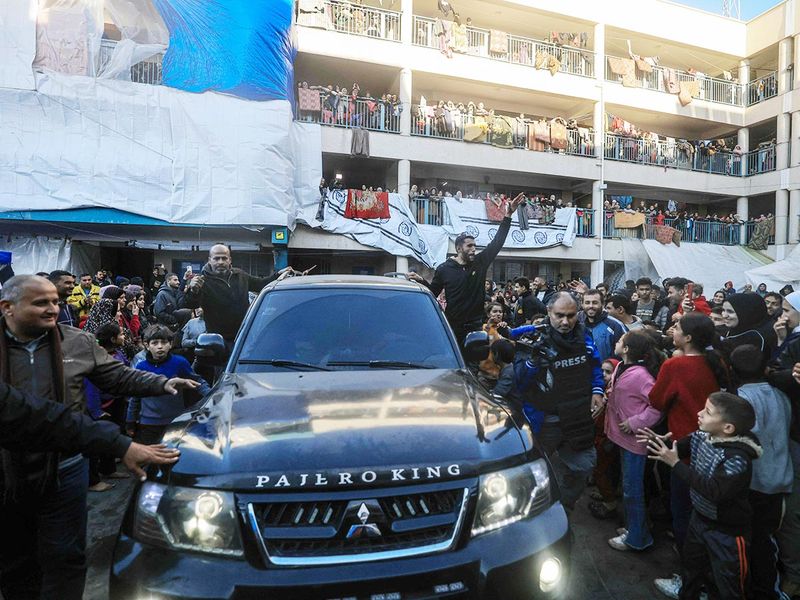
<point>535,343</point>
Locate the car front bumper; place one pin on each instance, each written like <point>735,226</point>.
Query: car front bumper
<point>504,564</point>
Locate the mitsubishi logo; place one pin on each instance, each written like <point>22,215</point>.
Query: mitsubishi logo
<point>363,516</point>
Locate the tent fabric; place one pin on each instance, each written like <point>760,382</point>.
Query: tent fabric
<point>637,261</point>
<point>17,44</point>
<point>778,274</point>
<point>708,264</point>
<point>239,47</point>
<point>470,216</point>
<point>35,254</point>
<point>154,151</point>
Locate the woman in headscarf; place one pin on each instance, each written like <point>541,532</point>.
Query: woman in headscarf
<point>787,325</point>
<point>747,322</point>
<point>761,290</point>
<point>108,310</point>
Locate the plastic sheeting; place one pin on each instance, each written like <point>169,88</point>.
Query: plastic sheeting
<point>399,235</point>
<point>637,261</point>
<point>469,216</point>
<point>37,254</point>
<point>241,47</point>
<point>779,273</point>
<point>17,43</point>
<point>154,151</point>
<point>708,264</point>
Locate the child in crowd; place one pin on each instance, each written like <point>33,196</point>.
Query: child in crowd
<point>719,477</point>
<point>772,473</point>
<point>149,416</point>
<point>506,387</point>
<point>627,411</point>
<point>106,406</point>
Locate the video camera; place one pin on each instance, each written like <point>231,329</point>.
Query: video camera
<point>535,343</point>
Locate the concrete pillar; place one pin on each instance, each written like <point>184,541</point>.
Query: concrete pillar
<point>796,62</point>
<point>406,21</point>
<point>599,125</point>
<point>781,216</point>
<point>600,51</point>
<point>785,58</point>
<point>743,210</point>
<point>598,266</point>
<point>782,135</point>
<point>405,99</point>
<point>744,71</point>
<point>743,138</point>
<point>794,217</point>
<point>794,140</point>
<point>403,177</point>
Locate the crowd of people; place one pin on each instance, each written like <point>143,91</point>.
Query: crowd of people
<point>334,105</point>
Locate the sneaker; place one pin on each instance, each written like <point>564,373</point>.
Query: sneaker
<point>671,588</point>
<point>618,543</point>
<point>101,486</point>
<point>622,531</point>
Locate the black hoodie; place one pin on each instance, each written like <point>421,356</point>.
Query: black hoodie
<point>224,299</point>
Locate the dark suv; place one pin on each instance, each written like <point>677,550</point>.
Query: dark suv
<point>346,453</point>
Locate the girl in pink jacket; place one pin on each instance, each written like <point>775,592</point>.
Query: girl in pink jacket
<point>628,410</point>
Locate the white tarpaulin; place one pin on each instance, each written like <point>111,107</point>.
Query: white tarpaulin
<point>17,43</point>
<point>709,264</point>
<point>637,261</point>
<point>37,254</point>
<point>398,235</point>
<point>469,216</point>
<point>153,150</point>
<point>778,274</point>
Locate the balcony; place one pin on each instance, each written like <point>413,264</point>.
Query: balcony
<point>369,113</point>
<point>761,89</point>
<point>354,19</point>
<point>520,50</point>
<point>477,129</point>
<point>429,211</point>
<point>672,154</point>
<point>147,71</point>
<point>715,90</point>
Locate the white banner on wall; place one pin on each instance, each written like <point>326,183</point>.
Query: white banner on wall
<point>469,216</point>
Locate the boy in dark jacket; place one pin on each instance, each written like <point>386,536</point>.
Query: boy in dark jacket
<point>719,476</point>
<point>506,386</point>
<point>149,416</point>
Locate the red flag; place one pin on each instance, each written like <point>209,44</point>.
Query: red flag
<point>363,204</point>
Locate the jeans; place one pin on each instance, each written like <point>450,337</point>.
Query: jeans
<point>767,514</point>
<point>43,544</point>
<point>572,467</point>
<point>789,533</point>
<point>633,466</point>
<point>681,507</point>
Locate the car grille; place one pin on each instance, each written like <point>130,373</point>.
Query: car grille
<point>326,531</point>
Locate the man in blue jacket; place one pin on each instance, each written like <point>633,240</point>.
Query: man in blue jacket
<point>604,329</point>
<point>562,386</point>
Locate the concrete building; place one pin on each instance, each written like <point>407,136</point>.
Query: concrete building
<point>742,76</point>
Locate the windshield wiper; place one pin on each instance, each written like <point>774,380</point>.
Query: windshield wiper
<point>282,362</point>
<point>379,364</point>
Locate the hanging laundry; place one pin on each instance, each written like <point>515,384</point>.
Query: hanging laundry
<point>495,209</point>
<point>502,135</point>
<point>558,134</point>
<point>547,61</point>
<point>359,144</point>
<point>541,129</point>
<point>363,204</point>
<point>628,220</point>
<point>460,43</point>
<point>689,90</point>
<point>665,234</point>
<point>476,132</point>
<point>522,217</point>
<point>642,65</point>
<point>763,230</point>
<point>575,40</point>
<point>671,81</point>
<point>498,42</point>
<point>624,67</point>
<point>308,99</point>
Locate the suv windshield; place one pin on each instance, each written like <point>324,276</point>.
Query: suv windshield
<point>321,328</point>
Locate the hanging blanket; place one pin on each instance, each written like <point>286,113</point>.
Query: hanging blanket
<point>547,61</point>
<point>495,212</point>
<point>498,42</point>
<point>761,233</point>
<point>308,99</point>
<point>671,81</point>
<point>626,68</point>
<point>460,38</point>
<point>643,66</point>
<point>665,234</point>
<point>502,135</point>
<point>689,90</point>
<point>542,131</point>
<point>367,205</point>
<point>558,134</point>
<point>627,220</point>
<point>476,132</point>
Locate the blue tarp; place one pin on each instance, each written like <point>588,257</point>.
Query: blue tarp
<point>239,47</point>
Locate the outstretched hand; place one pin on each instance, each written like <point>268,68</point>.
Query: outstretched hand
<point>179,383</point>
<point>139,455</point>
<point>512,206</point>
<point>659,450</point>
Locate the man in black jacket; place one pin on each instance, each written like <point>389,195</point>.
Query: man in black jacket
<point>527,305</point>
<point>169,300</point>
<point>222,291</point>
<point>463,277</point>
<point>29,423</point>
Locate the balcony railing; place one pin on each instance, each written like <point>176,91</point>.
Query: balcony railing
<point>454,127</point>
<point>520,50</point>
<point>357,19</point>
<point>147,71</point>
<point>676,155</point>
<point>761,89</point>
<point>429,211</point>
<point>711,88</point>
<point>369,114</point>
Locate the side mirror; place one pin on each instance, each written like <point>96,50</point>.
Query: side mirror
<point>476,346</point>
<point>210,346</point>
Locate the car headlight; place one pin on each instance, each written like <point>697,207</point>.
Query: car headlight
<point>509,496</point>
<point>187,519</point>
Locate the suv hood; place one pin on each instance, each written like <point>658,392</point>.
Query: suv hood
<point>311,430</point>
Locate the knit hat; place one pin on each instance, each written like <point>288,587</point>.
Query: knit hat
<point>750,310</point>
<point>794,300</point>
